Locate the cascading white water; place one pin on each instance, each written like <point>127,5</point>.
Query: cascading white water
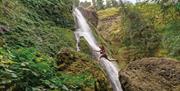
<point>85,31</point>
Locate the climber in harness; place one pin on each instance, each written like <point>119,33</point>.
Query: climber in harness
<point>103,52</point>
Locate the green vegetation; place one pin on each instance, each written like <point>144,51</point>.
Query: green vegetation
<point>143,30</point>
<point>35,31</point>
<point>58,11</point>
<point>47,39</point>
<point>37,46</point>
<point>25,69</point>
<point>139,35</point>
<point>39,25</point>
<point>171,40</point>
<point>100,4</point>
<point>108,13</point>
<point>28,69</point>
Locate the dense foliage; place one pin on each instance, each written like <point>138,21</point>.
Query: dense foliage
<point>165,20</point>
<point>58,11</point>
<point>99,4</point>
<point>32,32</point>
<point>171,40</point>
<point>139,36</point>
<point>40,22</point>
<point>37,46</point>
<point>26,69</point>
<point>142,30</point>
<point>47,39</point>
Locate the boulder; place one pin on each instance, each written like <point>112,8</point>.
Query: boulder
<point>151,74</point>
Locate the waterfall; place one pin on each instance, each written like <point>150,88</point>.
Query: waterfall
<point>84,30</point>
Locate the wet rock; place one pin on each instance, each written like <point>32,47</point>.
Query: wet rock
<point>90,15</point>
<point>151,74</point>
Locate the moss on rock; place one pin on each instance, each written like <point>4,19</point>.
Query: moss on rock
<point>73,62</point>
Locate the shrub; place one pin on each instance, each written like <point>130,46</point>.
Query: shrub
<point>171,39</point>
<point>47,39</point>
<point>139,35</point>
<point>25,69</point>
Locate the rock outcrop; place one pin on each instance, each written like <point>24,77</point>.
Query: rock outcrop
<point>151,74</point>
<point>90,15</point>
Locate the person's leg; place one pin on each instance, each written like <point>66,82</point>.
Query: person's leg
<point>103,55</point>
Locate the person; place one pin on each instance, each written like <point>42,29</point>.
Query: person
<point>103,52</point>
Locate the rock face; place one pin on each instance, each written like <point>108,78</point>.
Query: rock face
<point>90,15</point>
<point>151,74</point>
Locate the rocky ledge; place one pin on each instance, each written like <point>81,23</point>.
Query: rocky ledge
<point>151,74</point>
